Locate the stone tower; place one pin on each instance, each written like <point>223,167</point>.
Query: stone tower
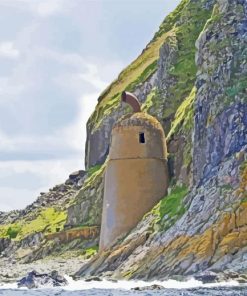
<point>136,174</point>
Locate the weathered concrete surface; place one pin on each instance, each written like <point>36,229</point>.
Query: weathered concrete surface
<point>136,175</point>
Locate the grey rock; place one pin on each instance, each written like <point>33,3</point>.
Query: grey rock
<point>209,277</point>
<point>148,288</point>
<point>37,280</point>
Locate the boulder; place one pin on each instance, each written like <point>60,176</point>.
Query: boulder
<point>209,277</point>
<point>77,175</point>
<point>93,279</point>
<point>37,280</point>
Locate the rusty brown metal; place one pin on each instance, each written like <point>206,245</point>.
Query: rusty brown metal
<point>131,100</point>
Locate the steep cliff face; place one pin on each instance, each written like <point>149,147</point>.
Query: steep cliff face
<point>203,227</point>
<point>220,108</point>
<point>161,77</point>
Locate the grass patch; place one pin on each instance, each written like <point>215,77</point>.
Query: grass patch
<point>183,123</point>
<point>13,231</point>
<point>183,71</point>
<point>184,115</point>
<point>171,19</point>
<point>149,101</point>
<point>91,251</point>
<point>170,208</point>
<point>93,174</point>
<point>136,73</point>
<point>4,230</point>
<point>94,169</point>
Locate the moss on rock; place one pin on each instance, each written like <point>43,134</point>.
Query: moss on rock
<point>47,221</point>
<point>169,209</point>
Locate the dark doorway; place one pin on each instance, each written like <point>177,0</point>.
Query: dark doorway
<point>141,138</point>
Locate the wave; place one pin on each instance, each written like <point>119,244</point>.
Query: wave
<point>128,285</point>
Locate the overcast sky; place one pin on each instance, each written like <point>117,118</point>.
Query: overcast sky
<point>56,56</point>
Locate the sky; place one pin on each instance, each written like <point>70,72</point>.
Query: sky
<point>56,57</point>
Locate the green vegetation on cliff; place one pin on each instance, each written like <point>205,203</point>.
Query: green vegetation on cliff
<point>94,173</point>
<point>48,220</point>
<point>86,207</point>
<point>13,231</point>
<point>169,209</point>
<point>186,22</point>
<point>193,19</point>
<point>183,124</point>
<point>183,70</point>
<point>183,118</point>
<point>139,71</point>
<point>170,56</point>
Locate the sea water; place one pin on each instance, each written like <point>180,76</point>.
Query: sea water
<point>124,288</point>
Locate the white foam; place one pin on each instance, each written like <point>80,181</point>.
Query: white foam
<point>127,285</point>
<point>8,286</point>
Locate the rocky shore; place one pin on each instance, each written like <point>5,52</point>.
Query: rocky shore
<point>11,271</point>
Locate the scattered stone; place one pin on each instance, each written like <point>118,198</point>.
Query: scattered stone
<point>63,188</point>
<point>77,174</point>
<point>148,288</point>
<point>69,182</point>
<point>93,279</point>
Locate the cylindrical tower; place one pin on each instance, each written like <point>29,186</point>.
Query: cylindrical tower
<point>136,174</point>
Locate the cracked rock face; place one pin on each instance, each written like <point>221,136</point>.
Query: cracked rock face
<point>220,109</point>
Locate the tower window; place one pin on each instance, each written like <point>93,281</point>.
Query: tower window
<point>141,138</point>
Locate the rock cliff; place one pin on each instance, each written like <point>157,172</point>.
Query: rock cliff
<point>47,228</point>
<point>200,97</point>
<point>192,76</point>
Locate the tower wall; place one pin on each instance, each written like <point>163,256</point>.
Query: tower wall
<point>136,176</point>
<point>125,143</point>
<point>132,188</point>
